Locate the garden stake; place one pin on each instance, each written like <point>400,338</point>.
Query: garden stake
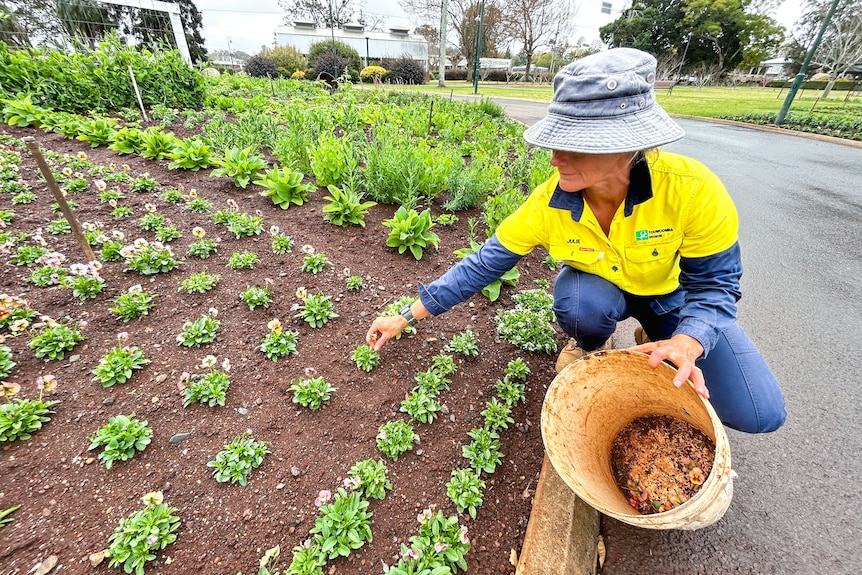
<point>33,146</point>
<point>430,113</point>
<point>138,94</point>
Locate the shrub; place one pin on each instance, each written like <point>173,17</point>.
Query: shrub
<point>260,66</point>
<point>298,75</point>
<point>320,57</point>
<point>369,73</point>
<point>405,71</point>
<point>287,60</point>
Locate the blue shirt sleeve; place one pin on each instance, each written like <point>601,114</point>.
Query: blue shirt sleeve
<point>711,287</point>
<point>468,276</point>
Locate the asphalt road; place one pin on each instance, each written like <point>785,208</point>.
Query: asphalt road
<point>797,506</point>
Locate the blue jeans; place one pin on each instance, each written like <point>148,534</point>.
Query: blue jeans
<point>742,389</point>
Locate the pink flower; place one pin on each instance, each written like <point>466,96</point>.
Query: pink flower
<point>123,337</point>
<point>464,539</point>
<point>310,372</point>
<point>410,554</point>
<point>46,382</point>
<point>323,497</point>
<point>152,539</point>
<point>440,547</point>
<point>9,388</point>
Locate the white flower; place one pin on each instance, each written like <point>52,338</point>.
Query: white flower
<point>118,235</point>
<point>213,312</point>
<point>273,230</point>
<point>209,361</point>
<point>225,364</point>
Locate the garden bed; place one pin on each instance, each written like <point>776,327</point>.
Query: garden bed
<point>70,503</point>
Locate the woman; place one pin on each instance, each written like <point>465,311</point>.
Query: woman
<point>643,233</point>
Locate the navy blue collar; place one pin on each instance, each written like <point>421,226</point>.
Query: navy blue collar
<point>640,190</point>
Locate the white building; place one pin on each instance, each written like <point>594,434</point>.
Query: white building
<point>371,46</point>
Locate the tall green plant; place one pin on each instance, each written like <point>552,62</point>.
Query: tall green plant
<point>241,165</point>
<point>411,230</point>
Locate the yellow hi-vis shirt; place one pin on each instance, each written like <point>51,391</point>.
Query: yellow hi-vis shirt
<point>675,208</point>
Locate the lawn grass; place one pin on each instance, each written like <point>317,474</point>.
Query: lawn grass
<point>685,100</point>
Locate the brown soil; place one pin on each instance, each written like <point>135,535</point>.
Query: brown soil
<point>70,503</point>
<point>660,462</point>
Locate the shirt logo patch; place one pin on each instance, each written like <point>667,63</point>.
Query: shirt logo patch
<point>574,240</point>
<point>641,235</point>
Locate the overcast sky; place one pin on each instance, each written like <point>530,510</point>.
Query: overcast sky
<point>250,24</point>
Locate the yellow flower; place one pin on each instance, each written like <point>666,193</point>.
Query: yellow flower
<point>67,171</point>
<point>82,155</point>
<point>198,232</point>
<point>153,498</point>
<point>301,293</point>
<point>193,193</point>
<point>274,326</point>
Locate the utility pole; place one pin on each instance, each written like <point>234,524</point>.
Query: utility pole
<point>479,47</point>
<point>441,68</point>
<point>797,81</point>
<point>332,30</point>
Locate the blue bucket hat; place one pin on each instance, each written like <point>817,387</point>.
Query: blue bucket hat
<point>605,104</point>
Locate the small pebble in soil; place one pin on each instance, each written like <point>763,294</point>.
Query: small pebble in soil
<point>295,471</point>
<point>108,401</point>
<point>179,437</point>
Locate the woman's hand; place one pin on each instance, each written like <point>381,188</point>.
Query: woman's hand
<point>383,329</point>
<point>682,351</point>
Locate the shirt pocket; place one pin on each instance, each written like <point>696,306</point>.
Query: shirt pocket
<point>653,264</point>
<point>583,259</point>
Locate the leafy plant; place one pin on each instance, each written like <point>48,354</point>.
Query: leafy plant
<point>278,343</point>
<point>496,415</point>
<point>281,243</point>
<point>245,226</point>
<point>141,534</point>
<point>143,183</point>
<point>241,165</point>
<point>199,205</point>
<point>464,343</point>
<point>316,310</point>
<point>128,141</point>
<point>310,391</point>
<point>134,303</point>
<point>6,363</point>
<point>528,326</point>
<point>443,365</point>
<point>552,263</point>
<point>439,548</point>
<point>151,221</point>
<point>210,388</point>
<point>148,259</point>
<point>365,357</point>
<point>97,131</point>
<point>371,476</point>
<point>333,160</point>
<point>238,458</point>
<point>411,230</point>
<point>344,525</point>
<point>465,491</point>
<point>167,232</point>
<point>256,297</point>
<point>245,260</point>
<point>313,262</point>
<point>200,282</point>
<point>202,330</point>
<point>483,451</point>
<point>117,365</point>
<point>156,144</point>
<point>345,206</point>
<point>27,255</point>
<point>203,248</point>
<point>191,154</point>
<point>517,369</point>
<point>353,283</point>
<point>23,112</point>
<point>55,339</point>
<point>58,227</point>
<point>172,195</point>
<point>421,406</point>
<point>396,437</point>
<point>6,515</point>
<point>285,187</point>
<point>498,207</point>
<point>510,391</point>
<point>431,383</point>
<point>120,438</point>
<point>21,418</point>
<point>492,290</point>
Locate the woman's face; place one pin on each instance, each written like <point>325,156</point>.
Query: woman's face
<point>581,171</point>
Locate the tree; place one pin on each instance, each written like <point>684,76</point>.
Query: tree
<point>88,21</point>
<point>11,31</point>
<point>35,21</point>
<point>318,11</point>
<point>463,19</point>
<point>537,24</point>
<point>715,35</point>
<point>841,46</point>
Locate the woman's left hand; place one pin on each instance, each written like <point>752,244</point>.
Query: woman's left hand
<point>682,351</point>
